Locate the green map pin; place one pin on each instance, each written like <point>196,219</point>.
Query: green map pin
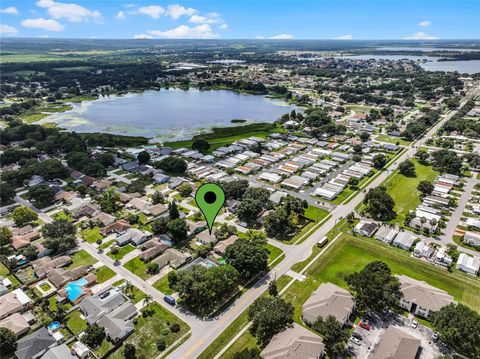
<point>210,198</point>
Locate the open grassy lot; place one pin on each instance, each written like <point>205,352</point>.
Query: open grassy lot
<point>103,274</point>
<point>75,323</point>
<point>245,341</point>
<point>62,215</point>
<point>81,258</point>
<point>404,189</point>
<point>163,285</point>
<point>91,235</point>
<point>315,214</point>
<point>394,140</point>
<point>137,267</point>
<point>122,252</point>
<point>107,244</point>
<point>150,329</point>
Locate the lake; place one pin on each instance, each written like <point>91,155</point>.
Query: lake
<point>171,114</point>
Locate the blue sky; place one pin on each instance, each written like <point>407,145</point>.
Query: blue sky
<point>245,19</point>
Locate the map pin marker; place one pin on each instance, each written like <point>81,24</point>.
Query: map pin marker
<point>210,198</point>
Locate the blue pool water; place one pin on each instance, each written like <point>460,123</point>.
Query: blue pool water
<point>74,289</point>
<point>53,326</point>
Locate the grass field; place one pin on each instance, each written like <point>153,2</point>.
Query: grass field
<point>81,258</point>
<point>137,267</point>
<point>163,285</point>
<point>91,235</point>
<point>122,252</point>
<point>104,273</point>
<point>149,329</point>
<point>394,140</point>
<point>404,189</point>
<point>75,323</point>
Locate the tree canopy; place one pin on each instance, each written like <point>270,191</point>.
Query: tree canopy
<point>379,204</point>
<point>249,258</point>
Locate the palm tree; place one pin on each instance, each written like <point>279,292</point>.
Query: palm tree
<point>147,301</point>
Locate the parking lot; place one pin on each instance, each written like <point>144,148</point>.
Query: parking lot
<point>368,339</point>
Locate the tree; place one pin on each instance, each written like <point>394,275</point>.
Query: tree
<point>422,156</point>
<point>357,149</point>
<point>94,335</point>
<point>272,288</point>
<point>42,195</point>
<point>374,287</point>
<point>158,198</point>
<point>249,209</point>
<point>224,231</point>
<point>8,341</point>
<point>364,136</point>
<point>60,244</point>
<point>161,345</point>
<point>177,229</point>
<point>447,161</point>
<point>137,186</point>
<point>459,326</point>
<point>379,204</point>
<point>143,158</point>
<point>7,193</point>
<point>356,157</point>
<point>425,187</point>
<point>353,182</point>
<point>407,168</point>
<point>269,316</point>
<point>153,268</point>
<point>23,215</point>
<point>334,336</point>
<point>247,257</point>
<point>185,190</point>
<point>109,201</point>
<point>257,236</point>
<point>173,212</point>
<point>200,145</point>
<point>130,351</point>
<point>173,165</point>
<point>277,224</point>
<point>5,236</point>
<point>159,226</point>
<point>58,228</point>
<point>29,251</point>
<point>235,189</point>
<point>379,161</point>
<point>202,289</point>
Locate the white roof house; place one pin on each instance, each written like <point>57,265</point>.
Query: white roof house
<point>472,238</point>
<point>468,264</point>
<point>404,240</point>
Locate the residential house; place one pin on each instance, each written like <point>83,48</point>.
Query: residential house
<point>295,342</point>
<point>103,218</point>
<point>35,344</point>
<point>396,343</point>
<point>16,323</point>
<point>472,238</point>
<point>328,299</point>
<point>205,237</point>
<point>420,298</point>
<point>15,301</point>
<point>43,265</point>
<point>154,251</point>
<point>118,227</point>
<point>468,264</point>
<point>134,236</point>
<point>366,228</point>
<point>423,249</point>
<point>404,240</point>
<point>172,257</point>
<point>387,233</point>
<point>221,246</point>
<point>59,276</point>
<point>59,352</point>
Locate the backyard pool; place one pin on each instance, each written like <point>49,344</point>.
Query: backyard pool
<point>53,326</point>
<point>75,289</point>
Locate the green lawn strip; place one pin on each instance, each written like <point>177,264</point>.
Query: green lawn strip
<point>91,235</point>
<point>233,329</point>
<point>273,252</point>
<point>306,231</point>
<point>163,286</point>
<point>150,329</point>
<point>122,252</point>
<point>137,267</point>
<point>75,323</point>
<point>81,258</point>
<point>103,274</point>
<point>404,189</point>
<point>107,244</point>
<point>394,140</point>
<point>315,214</point>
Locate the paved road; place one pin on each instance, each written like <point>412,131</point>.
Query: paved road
<point>199,341</point>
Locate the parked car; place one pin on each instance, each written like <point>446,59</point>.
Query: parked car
<point>414,324</point>
<point>364,324</point>
<point>170,300</point>
<point>435,335</point>
<point>355,341</point>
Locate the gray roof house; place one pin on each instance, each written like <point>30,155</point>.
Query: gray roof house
<point>397,344</point>
<point>118,323</point>
<point>404,240</point>
<point>59,352</point>
<point>133,235</point>
<point>328,299</point>
<point>295,342</point>
<point>35,344</point>
<point>173,258</point>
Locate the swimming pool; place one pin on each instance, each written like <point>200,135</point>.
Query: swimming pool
<point>53,326</point>
<point>74,289</point>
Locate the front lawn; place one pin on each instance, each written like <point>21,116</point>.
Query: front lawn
<point>163,285</point>
<point>103,274</point>
<point>394,140</point>
<point>91,235</point>
<point>81,258</point>
<point>315,214</point>
<point>137,267</point>
<point>149,330</point>
<point>273,252</point>
<point>121,252</point>
<point>404,189</point>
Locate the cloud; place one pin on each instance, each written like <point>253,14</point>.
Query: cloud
<point>142,36</point>
<point>424,23</point>
<point>7,29</point>
<point>175,11</point>
<point>185,32</point>
<point>211,18</point>
<point>10,10</point>
<point>154,11</point>
<point>72,12</point>
<point>120,15</point>
<point>44,24</point>
<point>282,37</point>
<point>344,37</point>
<point>223,26</point>
<point>420,36</point>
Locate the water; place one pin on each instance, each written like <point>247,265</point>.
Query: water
<point>74,289</point>
<point>468,67</point>
<point>426,49</point>
<point>392,57</point>
<point>171,114</point>
<point>54,326</point>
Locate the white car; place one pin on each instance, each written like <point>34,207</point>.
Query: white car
<point>414,324</point>
<point>355,341</point>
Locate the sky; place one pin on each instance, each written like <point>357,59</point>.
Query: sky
<point>242,19</point>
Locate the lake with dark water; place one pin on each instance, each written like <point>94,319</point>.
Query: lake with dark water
<point>168,114</point>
